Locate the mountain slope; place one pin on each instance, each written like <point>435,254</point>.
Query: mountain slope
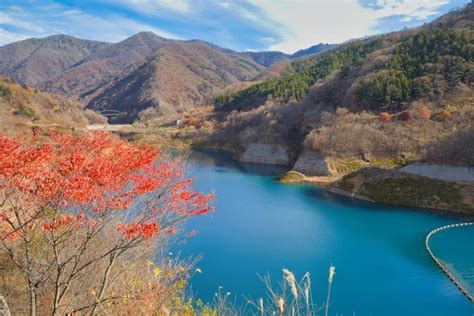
<point>104,64</point>
<point>387,98</point>
<point>269,58</point>
<point>24,110</point>
<point>34,60</point>
<point>180,76</point>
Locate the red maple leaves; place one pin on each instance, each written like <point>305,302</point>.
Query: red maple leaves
<point>83,178</point>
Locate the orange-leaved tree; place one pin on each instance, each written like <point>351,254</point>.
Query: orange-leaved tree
<point>71,208</point>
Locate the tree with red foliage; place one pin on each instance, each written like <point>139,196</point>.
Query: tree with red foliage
<point>88,200</point>
<point>424,113</point>
<point>385,117</point>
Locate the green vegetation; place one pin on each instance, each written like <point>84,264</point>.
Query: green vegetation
<point>392,187</point>
<point>291,177</point>
<point>26,111</point>
<point>5,92</point>
<point>307,72</point>
<point>427,64</point>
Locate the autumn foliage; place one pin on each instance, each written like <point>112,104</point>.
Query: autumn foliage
<point>77,188</point>
<point>446,115</point>
<point>424,113</point>
<point>385,117</point>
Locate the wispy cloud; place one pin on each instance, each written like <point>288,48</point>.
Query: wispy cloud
<point>43,20</point>
<point>154,7</point>
<point>286,25</point>
<point>309,22</point>
<point>8,37</point>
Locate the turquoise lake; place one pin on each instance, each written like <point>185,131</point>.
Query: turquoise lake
<point>261,227</point>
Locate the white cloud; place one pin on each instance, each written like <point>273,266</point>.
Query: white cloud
<point>8,37</point>
<point>57,19</point>
<point>7,18</point>
<point>307,22</point>
<point>155,7</point>
<point>414,9</point>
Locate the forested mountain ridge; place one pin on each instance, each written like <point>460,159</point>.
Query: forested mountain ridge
<point>404,66</point>
<point>110,76</point>
<point>395,97</point>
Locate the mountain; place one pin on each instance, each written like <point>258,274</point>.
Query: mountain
<point>142,71</point>
<point>35,60</point>
<point>269,58</point>
<point>180,76</point>
<point>392,97</point>
<point>312,50</point>
<point>378,73</point>
<point>103,65</point>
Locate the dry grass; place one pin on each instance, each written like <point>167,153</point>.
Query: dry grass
<point>430,135</point>
<point>29,111</point>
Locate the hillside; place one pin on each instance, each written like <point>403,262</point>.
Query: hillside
<point>387,99</point>
<point>103,65</point>
<point>27,111</point>
<point>180,76</point>
<point>36,60</point>
<point>269,58</point>
<point>141,71</point>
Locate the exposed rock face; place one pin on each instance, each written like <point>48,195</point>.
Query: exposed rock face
<point>272,154</point>
<point>441,172</point>
<point>312,163</point>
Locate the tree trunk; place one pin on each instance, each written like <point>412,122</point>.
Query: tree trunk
<point>32,294</point>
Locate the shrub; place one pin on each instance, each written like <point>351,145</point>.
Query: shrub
<point>25,111</point>
<point>5,92</point>
<point>446,115</point>
<point>94,117</point>
<point>406,116</point>
<point>385,117</point>
<point>424,113</point>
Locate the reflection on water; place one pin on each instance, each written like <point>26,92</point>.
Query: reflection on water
<point>221,160</point>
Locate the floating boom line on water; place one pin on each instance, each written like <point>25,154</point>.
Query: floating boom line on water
<point>440,262</point>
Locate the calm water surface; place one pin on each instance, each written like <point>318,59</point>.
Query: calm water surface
<point>261,226</point>
<point>455,247</point>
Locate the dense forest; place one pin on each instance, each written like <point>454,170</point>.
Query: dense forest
<point>293,87</point>
<point>425,65</point>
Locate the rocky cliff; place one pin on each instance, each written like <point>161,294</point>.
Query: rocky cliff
<point>312,163</point>
<point>272,154</point>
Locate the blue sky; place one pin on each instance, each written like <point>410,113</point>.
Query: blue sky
<point>285,25</point>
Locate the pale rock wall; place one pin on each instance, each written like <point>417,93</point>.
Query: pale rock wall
<point>272,154</point>
<point>441,172</point>
<point>312,163</point>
